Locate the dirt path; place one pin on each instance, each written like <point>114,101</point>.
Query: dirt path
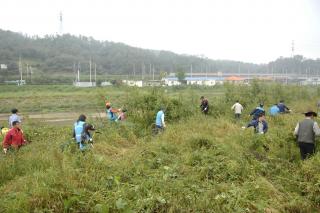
<point>53,118</point>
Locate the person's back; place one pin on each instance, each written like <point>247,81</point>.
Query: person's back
<point>78,130</point>
<point>237,107</point>
<point>14,117</point>
<point>159,119</point>
<point>257,111</point>
<point>111,113</point>
<point>306,133</point>
<point>306,130</point>
<point>274,110</point>
<point>282,107</point>
<point>260,125</point>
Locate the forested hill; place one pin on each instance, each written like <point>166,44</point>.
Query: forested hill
<point>61,54</point>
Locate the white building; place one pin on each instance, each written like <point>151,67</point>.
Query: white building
<point>3,66</point>
<point>200,81</point>
<point>311,81</point>
<point>171,81</point>
<point>106,83</point>
<point>132,83</point>
<point>84,84</point>
<point>17,82</point>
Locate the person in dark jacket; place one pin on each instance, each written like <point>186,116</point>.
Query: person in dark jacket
<point>260,125</point>
<point>257,111</point>
<point>305,132</point>
<point>283,108</point>
<point>204,105</point>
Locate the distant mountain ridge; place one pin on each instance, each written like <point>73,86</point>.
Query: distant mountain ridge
<point>63,54</point>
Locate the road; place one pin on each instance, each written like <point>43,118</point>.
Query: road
<point>53,118</point>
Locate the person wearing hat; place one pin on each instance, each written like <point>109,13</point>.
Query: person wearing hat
<point>204,105</point>
<point>257,111</point>
<point>305,132</point>
<point>14,138</point>
<point>14,117</point>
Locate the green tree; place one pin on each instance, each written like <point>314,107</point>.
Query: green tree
<point>181,76</point>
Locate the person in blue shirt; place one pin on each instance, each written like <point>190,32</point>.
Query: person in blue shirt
<point>81,132</point>
<point>257,111</point>
<point>112,114</point>
<point>283,108</point>
<point>274,110</point>
<point>160,124</point>
<point>260,125</point>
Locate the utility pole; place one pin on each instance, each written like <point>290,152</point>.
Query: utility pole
<point>20,69</point>
<point>31,74</point>
<point>27,71</point>
<point>143,67</point>
<point>191,71</point>
<point>292,49</point>
<point>78,79</point>
<point>61,24</point>
<point>134,71</point>
<point>153,72</point>
<point>90,68</point>
<point>150,70</point>
<point>95,73</point>
<point>206,72</point>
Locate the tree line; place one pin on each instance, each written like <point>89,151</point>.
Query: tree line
<point>55,54</point>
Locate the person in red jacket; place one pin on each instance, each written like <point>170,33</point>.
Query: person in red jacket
<point>14,137</point>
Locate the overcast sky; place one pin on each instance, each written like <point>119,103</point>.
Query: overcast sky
<point>246,30</point>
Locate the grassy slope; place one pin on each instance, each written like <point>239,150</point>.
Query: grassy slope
<point>43,99</point>
<point>199,164</point>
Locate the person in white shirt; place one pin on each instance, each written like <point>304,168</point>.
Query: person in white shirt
<point>237,107</point>
<point>14,117</point>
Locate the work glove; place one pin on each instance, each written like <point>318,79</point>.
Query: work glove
<point>5,150</point>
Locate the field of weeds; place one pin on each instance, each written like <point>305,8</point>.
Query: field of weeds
<point>199,164</point>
